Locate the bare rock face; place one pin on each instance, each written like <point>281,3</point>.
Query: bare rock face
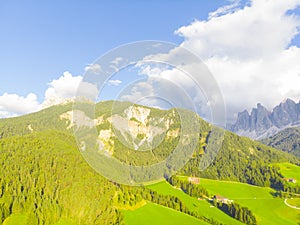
<point>286,113</point>
<point>243,121</point>
<point>135,126</point>
<point>261,123</point>
<point>139,113</point>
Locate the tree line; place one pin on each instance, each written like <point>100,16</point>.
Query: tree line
<point>238,212</point>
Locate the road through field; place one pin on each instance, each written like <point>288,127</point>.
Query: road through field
<point>294,207</point>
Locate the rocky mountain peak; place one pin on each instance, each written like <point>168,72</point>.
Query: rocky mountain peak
<point>243,120</point>
<point>262,123</point>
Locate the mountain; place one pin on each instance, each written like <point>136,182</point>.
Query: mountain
<point>45,180</point>
<point>287,140</point>
<point>261,123</point>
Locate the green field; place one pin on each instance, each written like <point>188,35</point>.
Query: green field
<point>203,207</point>
<point>64,222</point>
<point>294,202</point>
<point>152,213</point>
<point>16,219</point>
<point>267,208</point>
<point>289,170</point>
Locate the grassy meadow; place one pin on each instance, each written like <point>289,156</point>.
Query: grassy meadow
<point>151,213</point>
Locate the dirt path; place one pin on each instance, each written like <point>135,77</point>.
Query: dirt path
<point>294,207</point>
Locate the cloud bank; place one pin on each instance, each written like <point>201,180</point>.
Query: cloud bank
<point>13,104</point>
<point>248,50</point>
<point>58,91</point>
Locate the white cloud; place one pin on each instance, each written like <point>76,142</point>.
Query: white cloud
<point>65,87</point>
<point>117,61</point>
<point>249,53</point>
<point>137,91</point>
<point>245,83</point>
<point>114,82</point>
<point>225,9</point>
<point>93,68</point>
<point>260,30</point>
<point>116,64</point>
<point>167,87</point>
<point>146,92</point>
<point>248,50</point>
<point>60,90</point>
<point>68,87</point>
<point>14,105</point>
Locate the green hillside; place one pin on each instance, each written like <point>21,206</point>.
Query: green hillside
<point>16,219</point>
<point>44,175</point>
<point>291,177</point>
<point>263,202</point>
<point>45,180</point>
<point>155,214</point>
<point>202,207</point>
<point>239,159</point>
<point>244,160</point>
<point>289,170</point>
<point>267,208</point>
<point>287,140</point>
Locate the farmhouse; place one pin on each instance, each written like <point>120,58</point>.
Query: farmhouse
<point>222,199</point>
<point>194,180</point>
<point>291,180</point>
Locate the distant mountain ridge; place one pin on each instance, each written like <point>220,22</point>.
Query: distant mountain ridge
<point>261,123</point>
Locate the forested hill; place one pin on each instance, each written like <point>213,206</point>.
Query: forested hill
<point>45,177</point>
<point>237,154</point>
<point>287,140</point>
<point>47,119</point>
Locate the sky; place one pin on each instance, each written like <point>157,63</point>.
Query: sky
<point>252,48</point>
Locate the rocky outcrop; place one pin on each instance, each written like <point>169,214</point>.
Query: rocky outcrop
<point>261,123</point>
<point>134,127</point>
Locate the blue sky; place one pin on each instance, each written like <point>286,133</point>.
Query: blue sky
<point>46,45</point>
<point>41,39</point>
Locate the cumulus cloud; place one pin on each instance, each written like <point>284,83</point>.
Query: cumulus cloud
<point>68,87</point>
<point>248,50</point>
<point>264,81</point>
<point>60,90</point>
<point>14,105</point>
<point>65,87</point>
<point>260,30</point>
<point>167,86</point>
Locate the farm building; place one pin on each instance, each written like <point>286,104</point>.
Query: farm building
<point>222,199</point>
<point>291,180</point>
